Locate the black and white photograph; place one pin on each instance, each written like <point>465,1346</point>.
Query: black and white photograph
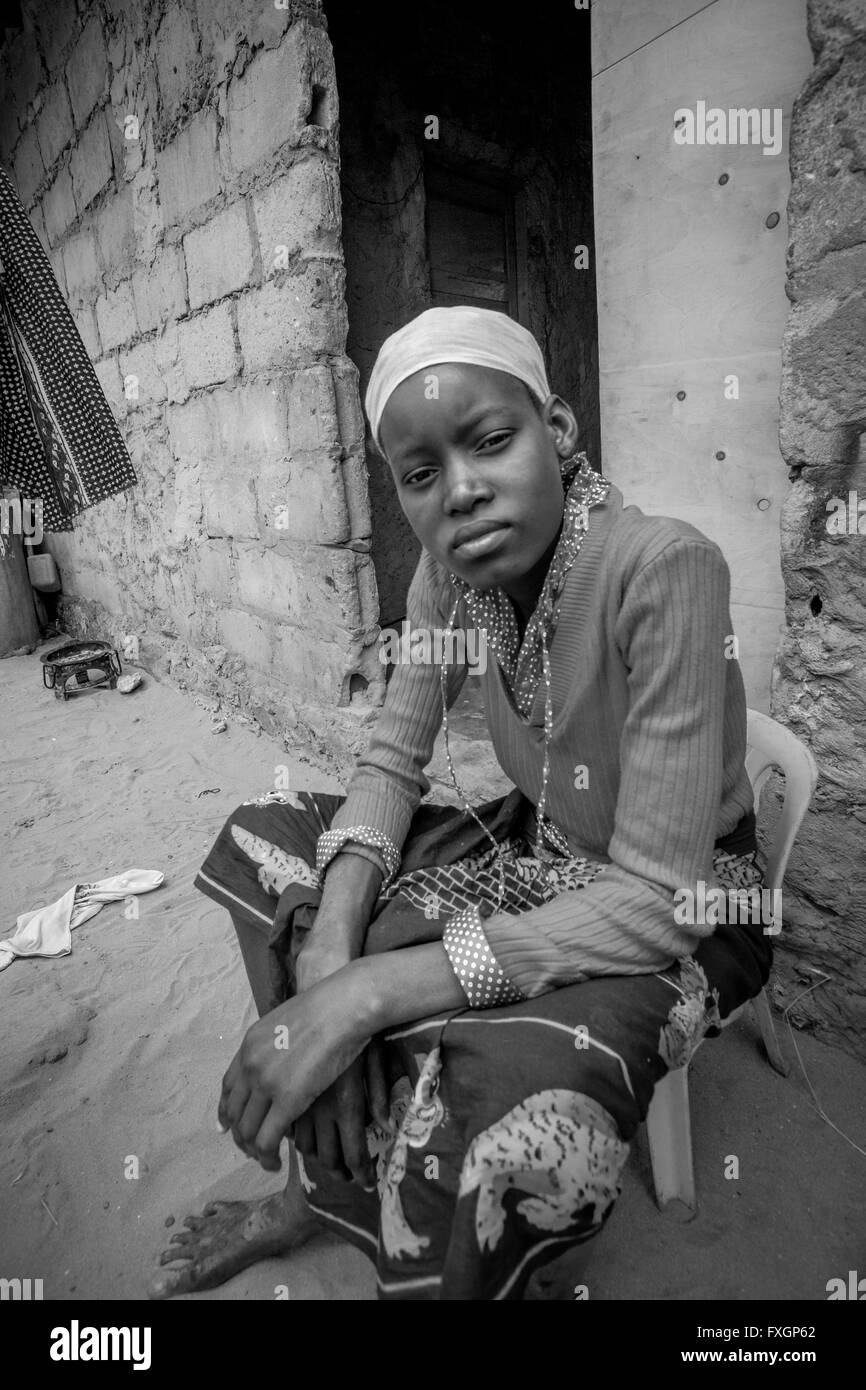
<point>433,670</point>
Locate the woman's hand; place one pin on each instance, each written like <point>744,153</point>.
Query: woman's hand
<point>289,1058</point>
<point>333,1130</point>
<point>293,1054</point>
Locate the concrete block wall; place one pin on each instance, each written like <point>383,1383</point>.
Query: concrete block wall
<point>181,170</point>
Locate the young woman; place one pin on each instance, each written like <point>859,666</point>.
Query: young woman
<point>464,1013</point>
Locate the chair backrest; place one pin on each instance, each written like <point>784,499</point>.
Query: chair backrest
<point>770,745</point>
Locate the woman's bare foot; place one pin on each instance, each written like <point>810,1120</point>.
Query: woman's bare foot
<point>230,1236</point>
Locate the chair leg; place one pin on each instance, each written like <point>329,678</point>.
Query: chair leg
<point>761,1007</point>
<point>670,1140</point>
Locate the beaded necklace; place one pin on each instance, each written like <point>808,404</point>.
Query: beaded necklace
<point>524,664</point>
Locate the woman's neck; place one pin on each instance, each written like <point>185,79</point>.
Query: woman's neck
<point>525,591</point>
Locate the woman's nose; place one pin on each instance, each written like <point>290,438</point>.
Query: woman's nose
<point>463,488</point>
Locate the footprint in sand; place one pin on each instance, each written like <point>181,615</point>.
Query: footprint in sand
<point>71,1031</point>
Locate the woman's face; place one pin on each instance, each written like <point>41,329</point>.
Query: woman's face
<point>477,469</point>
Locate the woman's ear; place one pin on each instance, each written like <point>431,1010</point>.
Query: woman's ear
<point>562,422</point>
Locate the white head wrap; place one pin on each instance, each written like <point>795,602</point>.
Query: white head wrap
<point>461,334</point>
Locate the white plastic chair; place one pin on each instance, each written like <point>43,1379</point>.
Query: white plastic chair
<point>768,745</point>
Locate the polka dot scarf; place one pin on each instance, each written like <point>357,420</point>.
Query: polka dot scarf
<point>58,438</point>
<point>525,665</point>
<point>522,663</point>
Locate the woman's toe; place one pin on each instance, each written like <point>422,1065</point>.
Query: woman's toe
<point>213,1207</point>
<point>169,1283</point>
<point>170,1256</point>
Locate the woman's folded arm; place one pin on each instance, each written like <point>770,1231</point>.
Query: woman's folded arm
<point>389,780</point>
<point>671,631</point>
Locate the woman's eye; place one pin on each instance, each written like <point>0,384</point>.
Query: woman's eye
<point>495,440</point>
<point>421,475</point>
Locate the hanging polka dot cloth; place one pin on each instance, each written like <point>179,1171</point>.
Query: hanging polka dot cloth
<point>58,438</point>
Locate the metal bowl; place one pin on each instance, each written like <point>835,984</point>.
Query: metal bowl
<point>74,652</point>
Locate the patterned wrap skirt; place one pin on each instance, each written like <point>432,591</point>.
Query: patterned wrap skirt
<point>513,1123</point>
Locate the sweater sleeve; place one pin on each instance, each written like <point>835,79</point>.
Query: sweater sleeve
<point>389,781</point>
<point>670,632</point>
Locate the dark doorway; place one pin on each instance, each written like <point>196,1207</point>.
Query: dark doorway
<point>466,157</point>
<point>476,240</point>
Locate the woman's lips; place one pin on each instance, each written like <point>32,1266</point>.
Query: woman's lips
<point>483,544</point>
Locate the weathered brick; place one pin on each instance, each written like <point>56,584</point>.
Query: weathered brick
<point>37,222</point>
<point>233,436</point>
<point>300,584</point>
<point>109,379</point>
<point>311,666</point>
<point>244,429</point>
<point>54,124</point>
<point>169,359</point>
<point>56,259</point>
<point>368,594</point>
<point>279,322</point>
<point>90,162</point>
<point>319,71</point>
<point>85,322</point>
<point>81,266</point>
<point>184,512</point>
<point>302,499</point>
<point>245,636</point>
<point>56,24</point>
<point>313,411</point>
<point>207,346</point>
<point>214,571</point>
<point>229,505</point>
<point>127,148</point>
<point>188,169</point>
<point>143,381</point>
<point>9,128</point>
<point>356,487</point>
<point>348,396</point>
<point>160,290</point>
<point>146,214</point>
<point>177,62</point>
<point>115,230</point>
<point>162,584</point>
<point>267,106</point>
<point>58,207</point>
<point>25,72</point>
<point>219,21</point>
<point>27,166</point>
<point>87,71</point>
<point>219,256</point>
<point>115,314</point>
<point>299,213</point>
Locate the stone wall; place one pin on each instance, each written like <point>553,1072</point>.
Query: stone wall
<point>819,686</point>
<point>180,164</point>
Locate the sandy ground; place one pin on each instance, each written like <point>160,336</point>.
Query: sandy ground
<point>117,1050</point>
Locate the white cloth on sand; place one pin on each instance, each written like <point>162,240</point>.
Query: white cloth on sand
<point>47,931</point>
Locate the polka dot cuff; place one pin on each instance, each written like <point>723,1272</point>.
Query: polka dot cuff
<point>484,982</point>
<point>330,844</point>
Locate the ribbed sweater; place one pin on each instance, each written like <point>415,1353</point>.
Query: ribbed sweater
<point>644,698</point>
